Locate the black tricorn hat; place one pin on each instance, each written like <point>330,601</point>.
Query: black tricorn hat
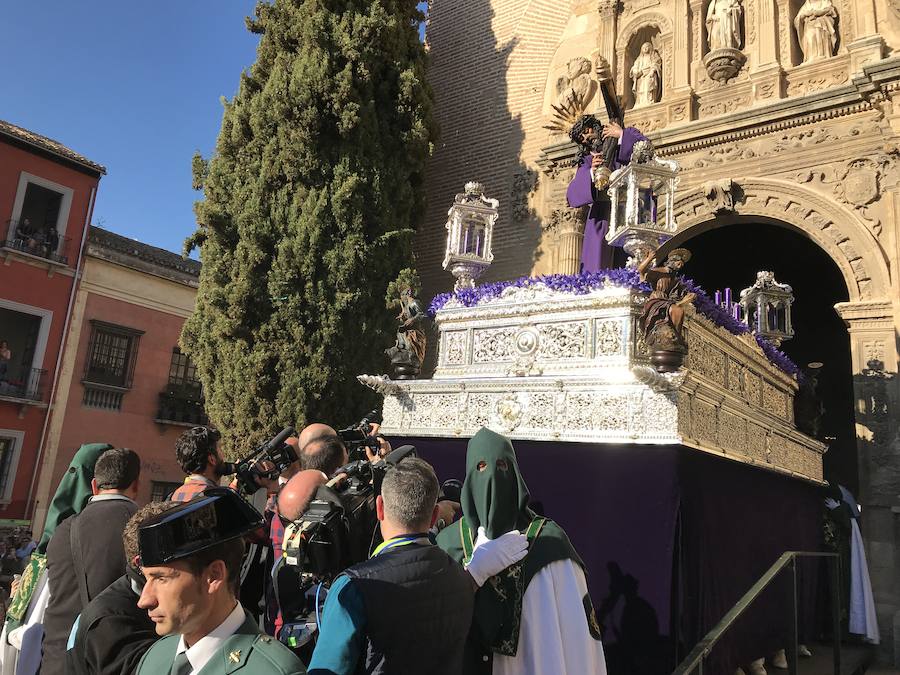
<point>217,515</point>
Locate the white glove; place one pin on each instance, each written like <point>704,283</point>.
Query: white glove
<point>492,556</point>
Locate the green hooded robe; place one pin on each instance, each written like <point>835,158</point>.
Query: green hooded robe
<point>70,498</point>
<point>494,495</point>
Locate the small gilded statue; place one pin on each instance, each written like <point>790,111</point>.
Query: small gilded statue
<point>663,315</point>
<point>408,352</point>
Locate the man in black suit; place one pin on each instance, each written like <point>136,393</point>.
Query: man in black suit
<point>86,554</point>
<point>113,633</point>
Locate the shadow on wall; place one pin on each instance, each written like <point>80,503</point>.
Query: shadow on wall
<point>630,627</point>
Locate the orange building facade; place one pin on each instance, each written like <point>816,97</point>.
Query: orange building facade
<point>123,379</point>
<point>47,193</point>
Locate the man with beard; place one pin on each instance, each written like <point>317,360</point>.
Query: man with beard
<point>199,456</point>
<point>536,615</point>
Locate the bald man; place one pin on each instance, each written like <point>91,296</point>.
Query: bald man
<point>314,431</point>
<point>298,492</point>
<point>293,499</point>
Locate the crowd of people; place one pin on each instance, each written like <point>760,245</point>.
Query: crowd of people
<point>189,585</point>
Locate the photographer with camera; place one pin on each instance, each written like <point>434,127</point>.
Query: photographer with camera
<point>409,606</point>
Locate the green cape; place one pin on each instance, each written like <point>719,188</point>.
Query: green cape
<point>494,495</point>
<point>70,498</point>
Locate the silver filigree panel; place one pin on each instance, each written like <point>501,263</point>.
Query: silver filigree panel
<point>566,340</point>
<point>455,347</point>
<point>610,338</point>
<point>493,344</point>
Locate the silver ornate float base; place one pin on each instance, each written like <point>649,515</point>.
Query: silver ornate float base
<point>542,365</point>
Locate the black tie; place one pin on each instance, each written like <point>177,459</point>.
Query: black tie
<point>181,666</point>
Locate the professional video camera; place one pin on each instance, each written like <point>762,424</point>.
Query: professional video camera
<point>337,530</point>
<point>276,451</point>
<point>357,438</point>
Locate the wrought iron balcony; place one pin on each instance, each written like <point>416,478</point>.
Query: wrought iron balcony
<point>28,387</point>
<point>42,242</point>
<point>181,406</point>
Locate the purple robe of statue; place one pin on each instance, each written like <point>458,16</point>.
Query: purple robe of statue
<point>594,252</point>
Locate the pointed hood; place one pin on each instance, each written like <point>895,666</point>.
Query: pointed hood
<point>494,494</point>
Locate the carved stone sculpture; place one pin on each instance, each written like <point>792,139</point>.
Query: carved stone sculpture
<point>646,76</point>
<point>723,24</point>
<point>408,352</point>
<point>816,25</point>
<point>720,195</point>
<point>663,314</point>
<point>576,88</point>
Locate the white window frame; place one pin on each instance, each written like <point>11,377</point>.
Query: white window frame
<point>46,317</point>
<point>19,440</point>
<point>62,220</point>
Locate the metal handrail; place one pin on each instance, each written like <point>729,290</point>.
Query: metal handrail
<point>694,660</point>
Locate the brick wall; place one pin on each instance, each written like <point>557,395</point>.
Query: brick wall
<point>489,64</point>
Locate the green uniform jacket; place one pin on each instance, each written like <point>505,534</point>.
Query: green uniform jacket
<point>248,652</point>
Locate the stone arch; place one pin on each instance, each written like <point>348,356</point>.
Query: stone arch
<point>661,21</point>
<point>835,229</point>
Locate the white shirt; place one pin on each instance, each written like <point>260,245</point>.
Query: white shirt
<point>111,497</point>
<point>206,647</point>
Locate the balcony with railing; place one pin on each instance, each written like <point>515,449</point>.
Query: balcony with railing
<point>27,387</point>
<point>38,241</point>
<point>181,405</point>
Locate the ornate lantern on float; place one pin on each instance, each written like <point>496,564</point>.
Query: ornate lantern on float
<point>642,198</point>
<point>470,228</point>
<point>766,308</point>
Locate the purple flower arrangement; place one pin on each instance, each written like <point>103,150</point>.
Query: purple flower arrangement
<point>581,284</point>
<point>576,284</point>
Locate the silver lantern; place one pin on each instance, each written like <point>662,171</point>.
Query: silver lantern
<point>642,197</point>
<point>470,227</point>
<point>766,308</point>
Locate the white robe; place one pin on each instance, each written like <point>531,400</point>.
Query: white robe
<point>862,605</point>
<point>863,620</point>
<point>554,637</point>
<point>21,651</point>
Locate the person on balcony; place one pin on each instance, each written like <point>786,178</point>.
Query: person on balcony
<point>5,357</point>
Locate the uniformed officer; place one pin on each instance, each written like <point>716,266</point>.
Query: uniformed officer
<point>190,558</point>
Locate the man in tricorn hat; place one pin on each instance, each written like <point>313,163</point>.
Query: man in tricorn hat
<point>191,558</point>
<point>535,616</point>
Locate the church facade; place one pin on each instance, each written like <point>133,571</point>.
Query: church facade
<point>783,112</point>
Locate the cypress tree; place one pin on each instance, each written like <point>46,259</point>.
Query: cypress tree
<point>309,203</point>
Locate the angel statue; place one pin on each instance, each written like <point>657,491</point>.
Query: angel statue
<point>663,315</point>
<point>408,352</point>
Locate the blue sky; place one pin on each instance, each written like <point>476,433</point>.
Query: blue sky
<point>133,86</point>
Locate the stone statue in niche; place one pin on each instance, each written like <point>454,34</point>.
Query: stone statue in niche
<point>723,24</point>
<point>646,76</point>
<point>816,25</point>
<point>576,87</point>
